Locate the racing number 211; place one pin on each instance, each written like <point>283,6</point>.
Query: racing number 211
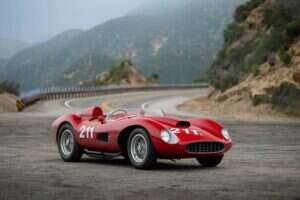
<point>87,132</point>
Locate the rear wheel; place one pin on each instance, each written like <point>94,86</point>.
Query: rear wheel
<point>68,148</point>
<point>210,161</point>
<point>140,150</point>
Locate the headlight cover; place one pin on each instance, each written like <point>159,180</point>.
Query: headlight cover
<point>225,134</point>
<point>168,137</point>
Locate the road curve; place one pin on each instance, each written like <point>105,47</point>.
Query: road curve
<point>263,164</point>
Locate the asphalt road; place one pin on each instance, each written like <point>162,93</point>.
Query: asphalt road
<point>263,164</point>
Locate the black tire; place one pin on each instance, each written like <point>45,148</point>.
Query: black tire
<point>149,157</point>
<point>76,152</point>
<point>210,161</point>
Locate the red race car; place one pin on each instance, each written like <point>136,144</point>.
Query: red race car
<point>141,138</point>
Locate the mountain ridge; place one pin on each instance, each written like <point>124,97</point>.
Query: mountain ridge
<point>10,47</point>
<point>181,43</point>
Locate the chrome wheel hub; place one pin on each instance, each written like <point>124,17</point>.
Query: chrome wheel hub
<point>67,142</point>
<point>138,148</point>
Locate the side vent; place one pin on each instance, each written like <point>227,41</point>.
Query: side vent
<point>103,137</point>
<point>183,124</point>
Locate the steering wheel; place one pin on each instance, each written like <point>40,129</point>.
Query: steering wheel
<point>117,111</point>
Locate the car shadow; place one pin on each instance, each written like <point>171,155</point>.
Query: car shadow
<point>162,165</point>
<point>104,161</point>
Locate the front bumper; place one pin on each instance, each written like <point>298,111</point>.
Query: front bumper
<point>181,150</point>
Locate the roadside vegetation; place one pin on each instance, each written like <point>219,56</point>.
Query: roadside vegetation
<point>123,72</point>
<point>281,25</point>
<point>261,37</point>
<point>9,87</point>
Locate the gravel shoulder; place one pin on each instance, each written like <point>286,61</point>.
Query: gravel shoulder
<point>234,108</point>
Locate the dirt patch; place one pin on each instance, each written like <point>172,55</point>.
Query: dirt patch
<point>273,93</point>
<point>8,103</point>
<point>238,106</point>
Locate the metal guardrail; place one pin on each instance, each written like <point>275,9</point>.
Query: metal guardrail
<point>54,93</point>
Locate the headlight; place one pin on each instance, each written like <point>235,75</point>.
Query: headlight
<point>225,133</point>
<point>168,137</point>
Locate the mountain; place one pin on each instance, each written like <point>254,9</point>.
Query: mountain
<point>122,73</point>
<point>176,44</point>
<point>157,7</point>
<point>39,65</point>
<point>85,69</point>
<point>259,62</point>
<point>9,47</point>
<point>3,63</point>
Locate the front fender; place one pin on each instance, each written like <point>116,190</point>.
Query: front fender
<point>154,129</point>
<point>208,125</point>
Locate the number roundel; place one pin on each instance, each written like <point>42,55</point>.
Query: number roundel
<point>87,132</point>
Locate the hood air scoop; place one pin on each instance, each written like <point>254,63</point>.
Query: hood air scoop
<point>183,124</point>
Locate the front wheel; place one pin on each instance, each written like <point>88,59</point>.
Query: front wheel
<point>140,150</point>
<point>210,161</point>
<point>68,148</point>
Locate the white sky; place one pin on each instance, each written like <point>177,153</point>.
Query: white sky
<point>38,20</point>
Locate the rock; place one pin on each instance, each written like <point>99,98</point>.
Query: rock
<point>8,103</point>
<point>296,77</point>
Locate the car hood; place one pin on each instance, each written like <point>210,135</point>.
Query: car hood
<point>186,131</point>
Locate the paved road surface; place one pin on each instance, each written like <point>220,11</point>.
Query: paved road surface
<point>263,164</point>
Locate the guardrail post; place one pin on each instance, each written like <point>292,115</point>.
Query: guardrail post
<point>54,93</point>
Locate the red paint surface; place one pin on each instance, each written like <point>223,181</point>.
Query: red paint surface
<point>206,129</point>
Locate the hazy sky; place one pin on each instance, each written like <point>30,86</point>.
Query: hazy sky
<point>38,20</point>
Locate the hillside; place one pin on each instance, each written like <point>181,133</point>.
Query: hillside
<point>259,67</point>
<point>122,73</point>
<point>9,47</point>
<point>85,69</point>
<point>3,63</point>
<point>39,65</point>
<point>180,40</point>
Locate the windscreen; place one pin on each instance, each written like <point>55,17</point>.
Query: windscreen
<point>153,112</point>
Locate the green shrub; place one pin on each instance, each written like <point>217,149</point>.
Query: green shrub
<point>276,16</point>
<point>286,97</point>
<point>285,57</point>
<point>293,28</point>
<point>251,25</point>
<point>256,72</point>
<point>9,87</point>
<point>259,55</point>
<point>233,32</point>
<point>238,55</point>
<point>155,76</point>
<point>228,81</point>
<point>243,11</point>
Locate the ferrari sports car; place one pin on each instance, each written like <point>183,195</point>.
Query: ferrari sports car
<point>142,138</point>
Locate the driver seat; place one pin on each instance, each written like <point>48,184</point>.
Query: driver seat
<point>93,113</point>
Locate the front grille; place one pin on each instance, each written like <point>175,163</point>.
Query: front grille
<point>205,147</point>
